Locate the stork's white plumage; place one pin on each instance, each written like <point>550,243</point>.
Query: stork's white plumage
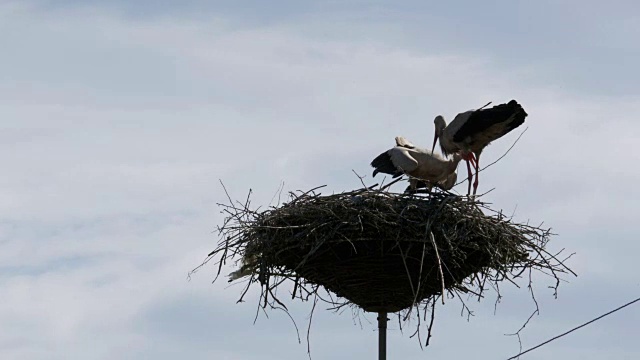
<point>420,164</point>
<point>446,184</point>
<point>471,131</point>
<point>248,267</point>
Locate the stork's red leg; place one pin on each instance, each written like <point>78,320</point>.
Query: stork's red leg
<point>473,159</point>
<point>468,156</point>
<point>470,176</point>
<point>475,183</point>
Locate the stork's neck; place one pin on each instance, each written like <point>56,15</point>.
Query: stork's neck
<point>446,144</point>
<point>453,162</point>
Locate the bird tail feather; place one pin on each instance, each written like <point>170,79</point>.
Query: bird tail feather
<point>382,163</point>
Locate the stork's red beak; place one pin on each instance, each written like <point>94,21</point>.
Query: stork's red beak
<point>435,140</point>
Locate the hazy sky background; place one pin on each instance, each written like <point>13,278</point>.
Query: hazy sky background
<point>117,119</point>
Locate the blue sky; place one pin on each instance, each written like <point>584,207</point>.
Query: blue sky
<point>118,119</point>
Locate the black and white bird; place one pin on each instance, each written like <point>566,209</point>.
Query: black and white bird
<point>420,164</point>
<point>471,131</point>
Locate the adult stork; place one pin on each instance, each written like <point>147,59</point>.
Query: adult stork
<point>419,164</point>
<point>471,131</point>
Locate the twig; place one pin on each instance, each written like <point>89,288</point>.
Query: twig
<point>487,104</point>
<point>433,316</point>
<point>435,247</point>
<point>315,302</point>
<point>361,179</point>
<point>500,158</point>
<point>508,150</point>
<point>391,183</point>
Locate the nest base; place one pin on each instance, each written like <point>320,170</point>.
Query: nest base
<point>381,252</point>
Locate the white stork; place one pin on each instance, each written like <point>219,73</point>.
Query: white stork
<point>419,164</point>
<point>471,131</point>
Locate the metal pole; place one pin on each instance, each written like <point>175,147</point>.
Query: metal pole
<point>382,335</point>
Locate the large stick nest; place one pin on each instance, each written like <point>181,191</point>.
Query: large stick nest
<point>381,251</point>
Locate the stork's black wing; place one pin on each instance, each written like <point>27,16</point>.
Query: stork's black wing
<point>509,116</point>
<point>382,163</point>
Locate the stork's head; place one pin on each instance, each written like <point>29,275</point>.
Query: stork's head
<point>440,125</point>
